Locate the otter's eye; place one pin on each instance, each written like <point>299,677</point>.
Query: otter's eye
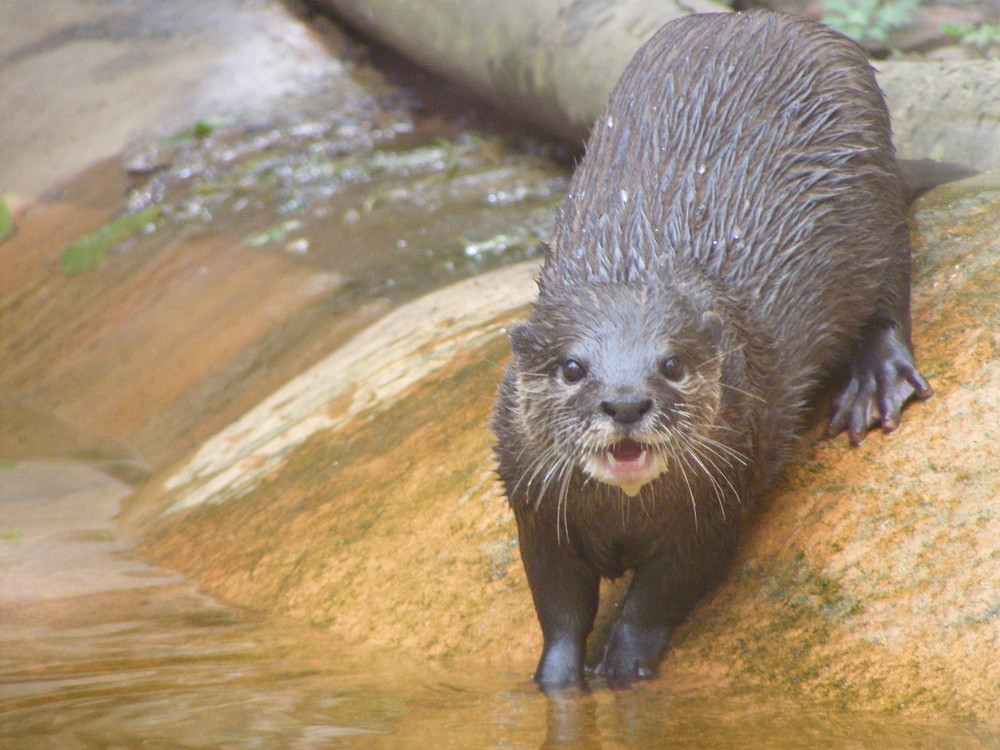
<point>672,369</point>
<point>572,370</point>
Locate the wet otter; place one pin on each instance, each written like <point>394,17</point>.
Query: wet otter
<point>735,232</point>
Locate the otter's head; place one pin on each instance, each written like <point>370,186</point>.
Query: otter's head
<point>617,380</point>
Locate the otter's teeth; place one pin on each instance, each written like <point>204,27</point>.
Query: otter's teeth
<point>640,459</point>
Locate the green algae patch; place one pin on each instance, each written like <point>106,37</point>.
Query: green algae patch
<point>6,220</point>
<point>88,251</point>
<point>12,535</point>
<point>200,130</point>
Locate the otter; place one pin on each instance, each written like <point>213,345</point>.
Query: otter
<point>735,232</point>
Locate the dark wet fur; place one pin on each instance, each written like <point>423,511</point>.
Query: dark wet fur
<point>739,207</point>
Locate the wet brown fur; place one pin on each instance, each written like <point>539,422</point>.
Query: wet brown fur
<point>742,171</point>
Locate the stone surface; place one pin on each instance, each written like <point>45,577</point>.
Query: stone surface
<point>135,69</point>
<point>361,496</point>
<point>947,111</point>
<point>552,63</point>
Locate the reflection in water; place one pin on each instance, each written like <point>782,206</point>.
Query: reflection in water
<point>572,722</point>
<point>166,668</point>
<point>649,716</point>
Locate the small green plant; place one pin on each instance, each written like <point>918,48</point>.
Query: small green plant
<point>200,130</point>
<point>12,535</point>
<point>6,222</point>
<point>90,249</point>
<point>981,35</point>
<point>868,22</point>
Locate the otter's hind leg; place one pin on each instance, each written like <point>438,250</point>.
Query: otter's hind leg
<point>883,375</point>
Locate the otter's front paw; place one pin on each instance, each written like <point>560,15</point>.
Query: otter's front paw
<point>561,667</point>
<point>883,378</point>
<point>632,654</point>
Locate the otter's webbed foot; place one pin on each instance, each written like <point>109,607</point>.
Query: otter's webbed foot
<point>561,667</point>
<point>883,378</point>
<point>632,654</point>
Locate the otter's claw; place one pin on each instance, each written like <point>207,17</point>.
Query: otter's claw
<point>631,654</point>
<point>883,378</point>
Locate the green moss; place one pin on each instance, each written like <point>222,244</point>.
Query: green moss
<point>199,131</point>
<point>88,251</point>
<point>805,607</point>
<point>275,234</point>
<point>868,21</point>
<point>12,535</point>
<point>980,35</point>
<point>6,221</point>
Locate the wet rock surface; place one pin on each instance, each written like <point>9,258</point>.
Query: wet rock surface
<point>198,273</point>
<point>128,70</point>
<point>870,581</point>
<point>555,64</point>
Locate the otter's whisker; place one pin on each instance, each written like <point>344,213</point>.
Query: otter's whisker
<point>746,393</point>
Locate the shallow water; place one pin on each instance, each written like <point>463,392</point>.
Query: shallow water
<point>183,673</point>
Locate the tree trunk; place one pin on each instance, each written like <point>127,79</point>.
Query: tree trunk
<point>551,61</point>
<point>554,63</point>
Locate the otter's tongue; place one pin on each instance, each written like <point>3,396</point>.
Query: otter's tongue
<point>625,450</point>
<point>628,465</point>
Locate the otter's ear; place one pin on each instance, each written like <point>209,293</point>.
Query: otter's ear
<point>711,329</point>
<point>523,339</point>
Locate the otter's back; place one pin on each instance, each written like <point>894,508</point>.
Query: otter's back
<point>753,149</point>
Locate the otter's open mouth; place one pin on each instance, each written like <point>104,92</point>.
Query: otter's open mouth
<point>627,452</point>
<point>627,464</point>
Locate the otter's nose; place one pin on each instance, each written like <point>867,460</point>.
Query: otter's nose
<point>627,411</point>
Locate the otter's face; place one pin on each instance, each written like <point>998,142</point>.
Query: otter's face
<point>618,381</point>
